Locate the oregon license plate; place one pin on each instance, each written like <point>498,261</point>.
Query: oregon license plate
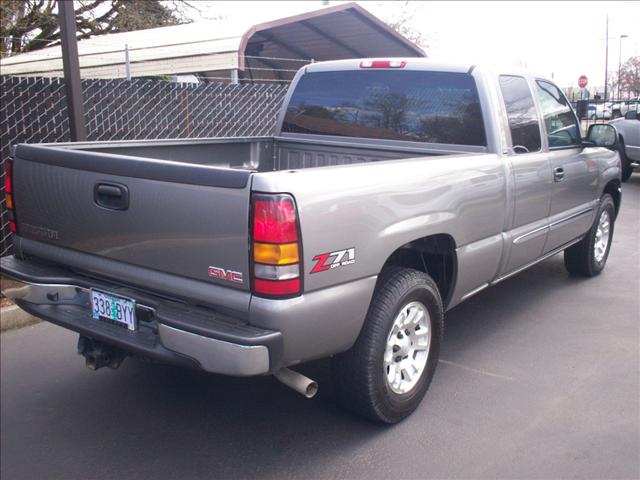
<point>117,310</point>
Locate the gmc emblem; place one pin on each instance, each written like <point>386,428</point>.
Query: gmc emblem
<point>228,275</point>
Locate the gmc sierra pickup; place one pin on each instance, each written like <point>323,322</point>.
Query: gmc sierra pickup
<point>393,190</point>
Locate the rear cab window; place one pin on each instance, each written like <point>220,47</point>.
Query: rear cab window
<point>404,105</point>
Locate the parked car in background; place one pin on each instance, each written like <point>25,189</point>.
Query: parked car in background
<point>620,109</point>
<point>600,111</point>
<point>628,129</point>
<point>393,190</point>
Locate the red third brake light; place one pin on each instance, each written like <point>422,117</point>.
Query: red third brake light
<point>383,64</point>
<point>275,251</point>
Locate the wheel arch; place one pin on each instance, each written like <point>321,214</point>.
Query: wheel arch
<point>435,255</point>
<point>613,188</point>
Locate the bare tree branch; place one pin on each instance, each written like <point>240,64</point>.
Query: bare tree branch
<point>27,25</point>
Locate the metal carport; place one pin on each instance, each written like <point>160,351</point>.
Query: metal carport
<point>272,50</point>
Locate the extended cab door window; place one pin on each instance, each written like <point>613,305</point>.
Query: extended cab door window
<point>521,113</point>
<point>560,121</point>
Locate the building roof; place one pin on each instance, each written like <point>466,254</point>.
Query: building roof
<point>271,50</point>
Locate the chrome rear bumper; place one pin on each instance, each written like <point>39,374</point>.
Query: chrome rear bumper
<point>217,344</point>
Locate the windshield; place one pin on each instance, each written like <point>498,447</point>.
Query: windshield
<point>433,107</point>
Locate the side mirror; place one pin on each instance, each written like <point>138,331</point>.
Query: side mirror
<point>602,135</point>
<point>631,115</point>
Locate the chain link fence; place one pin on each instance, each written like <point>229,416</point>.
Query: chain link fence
<point>34,110</point>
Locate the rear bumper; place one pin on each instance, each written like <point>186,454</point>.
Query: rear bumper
<point>167,330</point>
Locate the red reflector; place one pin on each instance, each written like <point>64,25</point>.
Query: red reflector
<point>281,287</point>
<point>13,228</point>
<point>383,64</point>
<point>8,187</point>
<point>274,219</point>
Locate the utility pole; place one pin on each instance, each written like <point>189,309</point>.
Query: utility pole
<point>606,59</point>
<point>71,68</point>
<point>620,63</point>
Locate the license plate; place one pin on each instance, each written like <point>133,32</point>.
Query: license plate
<point>117,310</point>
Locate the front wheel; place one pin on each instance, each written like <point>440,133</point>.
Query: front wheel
<point>386,373</point>
<point>588,257</point>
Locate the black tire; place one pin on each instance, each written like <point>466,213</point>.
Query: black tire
<point>360,378</point>
<point>594,117</point>
<point>627,169</point>
<point>580,259</point>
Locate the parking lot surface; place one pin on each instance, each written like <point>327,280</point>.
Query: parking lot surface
<point>539,378</point>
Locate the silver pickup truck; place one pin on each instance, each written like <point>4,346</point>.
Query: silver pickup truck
<point>393,190</point>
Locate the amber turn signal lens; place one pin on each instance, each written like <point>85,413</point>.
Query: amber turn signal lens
<point>275,254</point>
<point>9,201</point>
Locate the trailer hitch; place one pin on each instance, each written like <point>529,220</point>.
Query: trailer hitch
<point>98,354</point>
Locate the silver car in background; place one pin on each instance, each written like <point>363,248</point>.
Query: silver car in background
<point>628,129</point>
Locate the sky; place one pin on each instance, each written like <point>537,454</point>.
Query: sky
<point>556,39</point>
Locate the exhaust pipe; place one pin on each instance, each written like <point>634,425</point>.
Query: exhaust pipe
<point>298,382</point>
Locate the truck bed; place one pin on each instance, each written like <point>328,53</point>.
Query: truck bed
<point>261,154</point>
<point>174,207</point>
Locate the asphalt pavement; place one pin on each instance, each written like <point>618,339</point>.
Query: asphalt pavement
<point>539,378</point>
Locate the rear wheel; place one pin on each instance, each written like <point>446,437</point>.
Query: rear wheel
<point>588,257</point>
<point>385,375</point>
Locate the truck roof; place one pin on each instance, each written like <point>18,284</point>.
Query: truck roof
<point>412,63</point>
<point>422,64</point>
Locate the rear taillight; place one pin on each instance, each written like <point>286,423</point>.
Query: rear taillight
<point>8,196</point>
<point>275,247</point>
<point>383,64</point>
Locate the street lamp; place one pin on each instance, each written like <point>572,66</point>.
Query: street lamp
<point>620,63</point>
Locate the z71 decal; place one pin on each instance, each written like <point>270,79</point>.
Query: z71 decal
<point>339,258</point>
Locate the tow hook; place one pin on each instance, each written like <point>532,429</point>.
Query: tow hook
<point>98,354</point>
<point>301,384</point>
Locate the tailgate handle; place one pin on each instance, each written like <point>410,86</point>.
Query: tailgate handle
<point>111,195</point>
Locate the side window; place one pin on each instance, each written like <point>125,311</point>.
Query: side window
<point>521,112</point>
<point>559,119</point>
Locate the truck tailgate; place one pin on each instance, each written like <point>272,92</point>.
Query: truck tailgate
<point>173,217</point>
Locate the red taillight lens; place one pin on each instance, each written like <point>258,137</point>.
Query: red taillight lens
<point>274,219</point>
<point>8,196</point>
<point>273,288</point>
<point>275,246</point>
<point>383,64</point>
<point>8,183</point>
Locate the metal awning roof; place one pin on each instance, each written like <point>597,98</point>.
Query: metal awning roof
<point>272,50</point>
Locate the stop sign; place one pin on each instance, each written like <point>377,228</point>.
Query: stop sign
<point>582,81</point>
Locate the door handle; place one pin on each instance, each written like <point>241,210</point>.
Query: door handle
<point>112,196</point>
<point>558,174</point>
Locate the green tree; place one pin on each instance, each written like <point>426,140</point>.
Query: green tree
<point>27,25</point>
